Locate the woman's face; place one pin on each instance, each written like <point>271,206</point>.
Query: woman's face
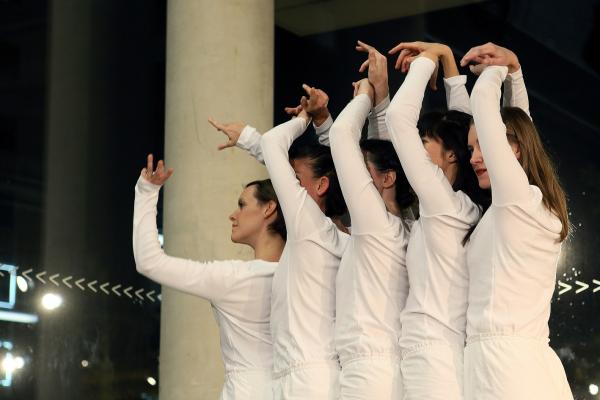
<point>477,159</point>
<point>249,219</point>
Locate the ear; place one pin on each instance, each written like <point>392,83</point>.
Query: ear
<point>323,185</point>
<point>450,156</point>
<point>270,209</point>
<point>517,150</point>
<point>389,179</point>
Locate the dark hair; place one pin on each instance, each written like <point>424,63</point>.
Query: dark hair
<point>321,164</point>
<point>451,128</point>
<point>382,154</point>
<point>263,193</point>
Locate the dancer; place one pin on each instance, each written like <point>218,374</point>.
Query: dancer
<point>372,284</point>
<point>436,162</point>
<point>303,301</point>
<point>239,291</point>
<point>513,253</point>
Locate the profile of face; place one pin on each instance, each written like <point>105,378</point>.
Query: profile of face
<point>381,179</point>
<point>250,219</point>
<point>315,186</point>
<point>439,156</point>
<point>477,161</point>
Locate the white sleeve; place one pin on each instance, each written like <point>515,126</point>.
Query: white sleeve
<point>209,280</point>
<point>322,131</point>
<point>435,193</point>
<point>377,128</point>
<point>302,215</point>
<point>366,207</point>
<point>457,97</point>
<point>249,140</point>
<point>515,92</point>
<point>509,182</point>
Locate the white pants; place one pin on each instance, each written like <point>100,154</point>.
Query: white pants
<point>248,385</point>
<point>513,368</point>
<point>433,371</point>
<point>311,381</point>
<point>371,378</point>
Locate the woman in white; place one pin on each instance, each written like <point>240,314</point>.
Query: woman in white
<point>371,284</point>
<point>513,252</point>
<point>239,291</point>
<point>436,163</point>
<point>303,300</point>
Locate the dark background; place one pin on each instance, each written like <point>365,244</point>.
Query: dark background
<point>122,81</point>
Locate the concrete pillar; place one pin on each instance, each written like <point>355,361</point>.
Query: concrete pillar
<point>219,63</point>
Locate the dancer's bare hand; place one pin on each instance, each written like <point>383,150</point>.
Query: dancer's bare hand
<point>232,130</point>
<point>156,176</point>
<point>376,64</point>
<point>437,52</point>
<point>364,87</point>
<point>491,54</point>
<point>315,104</point>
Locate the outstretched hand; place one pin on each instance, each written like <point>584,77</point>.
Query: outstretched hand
<point>490,54</point>
<point>409,51</point>
<point>158,176</point>
<point>314,106</point>
<point>364,87</point>
<point>376,65</point>
<point>231,130</point>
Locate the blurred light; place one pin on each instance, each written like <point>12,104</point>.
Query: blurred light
<point>151,381</point>
<point>84,363</point>
<point>22,284</point>
<point>8,364</point>
<point>19,362</point>
<point>593,389</point>
<point>51,301</point>
<point>161,239</point>
<point>13,316</point>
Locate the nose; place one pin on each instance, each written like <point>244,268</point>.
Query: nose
<point>232,216</point>
<point>475,157</point>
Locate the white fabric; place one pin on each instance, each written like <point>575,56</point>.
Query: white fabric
<point>303,300</point>
<point>433,371</point>
<point>436,307</point>
<point>457,97</point>
<point>513,368</point>
<point>308,381</point>
<point>512,258</point>
<point>239,292</point>
<point>374,377</point>
<point>372,283</point>
<point>249,140</point>
<point>515,92</point>
<point>248,384</point>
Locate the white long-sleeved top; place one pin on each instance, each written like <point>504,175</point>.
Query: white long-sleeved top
<point>303,300</point>
<point>372,282</point>
<point>239,291</point>
<point>437,302</point>
<point>513,253</point>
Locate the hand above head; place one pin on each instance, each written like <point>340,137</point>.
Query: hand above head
<point>377,70</point>
<point>158,176</point>
<point>490,54</point>
<point>315,105</point>
<point>364,87</point>
<point>436,52</point>
<point>232,130</point>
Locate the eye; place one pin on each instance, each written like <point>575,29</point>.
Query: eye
<point>470,148</point>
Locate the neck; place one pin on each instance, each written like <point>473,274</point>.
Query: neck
<point>389,199</point>
<point>269,247</point>
<point>450,173</point>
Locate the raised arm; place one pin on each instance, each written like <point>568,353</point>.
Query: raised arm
<point>241,135</point>
<point>515,92</point>
<point>508,179</point>
<point>210,280</point>
<point>293,198</point>
<point>366,207</point>
<point>316,106</point>
<point>435,193</point>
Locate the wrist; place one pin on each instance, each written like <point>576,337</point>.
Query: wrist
<point>320,117</point>
<point>381,92</point>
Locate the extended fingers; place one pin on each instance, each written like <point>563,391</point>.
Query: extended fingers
<point>363,47</point>
<point>149,164</point>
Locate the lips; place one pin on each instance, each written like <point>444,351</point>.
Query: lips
<point>481,171</point>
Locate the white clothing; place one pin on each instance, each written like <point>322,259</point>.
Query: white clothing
<point>239,292</point>
<point>317,380</point>
<point>433,371</point>
<point>372,283</point>
<point>512,258</point>
<point>457,97</point>
<point>303,300</point>
<point>373,377</point>
<point>513,368</point>
<point>434,318</point>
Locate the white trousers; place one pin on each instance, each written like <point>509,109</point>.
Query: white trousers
<point>433,371</point>
<point>314,381</point>
<point>371,377</point>
<point>248,385</point>
<point>513,368</point>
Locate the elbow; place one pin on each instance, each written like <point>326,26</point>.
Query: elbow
<point>337,132</point>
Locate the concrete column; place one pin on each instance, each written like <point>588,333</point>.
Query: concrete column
<point>219,63</point>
